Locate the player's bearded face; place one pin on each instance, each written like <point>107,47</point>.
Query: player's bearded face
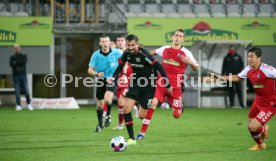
<point>132,46</point>
<point>253,60</point>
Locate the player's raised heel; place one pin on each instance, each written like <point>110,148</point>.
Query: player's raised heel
<point>107,121</point>
<point>99,128</point>
<point>140,136</point>
<point>258,147</point>
<point>131,142</point>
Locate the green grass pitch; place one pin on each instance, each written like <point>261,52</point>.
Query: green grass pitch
<point>68,135</point>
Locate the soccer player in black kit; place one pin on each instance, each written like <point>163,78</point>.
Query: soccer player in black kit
<point>141,86</point>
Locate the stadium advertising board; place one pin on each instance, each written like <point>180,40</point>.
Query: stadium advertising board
<point>158,31</point>
<point>26,31</point>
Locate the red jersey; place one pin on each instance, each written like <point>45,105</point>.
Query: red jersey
<point>263,81</point>
<point>128,73</point>
<point>173,64</point>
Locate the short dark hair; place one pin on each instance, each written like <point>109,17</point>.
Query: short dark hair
<point>103,36</point>
<point>121,36</point>
<point>256,50</point>
<point>180,30</point>
<point>132,37</point>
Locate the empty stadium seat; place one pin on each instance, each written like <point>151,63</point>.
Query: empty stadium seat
<point>169,9</point>
<point>249,8</point>
<point>89,11</point>
<point>102,12</point>
<point>233,9</point>
<point>217,8</point>
<point>265,8</point>
<point>152,9</point>
<point>134,8</point>
<point>186,10</point>
<point>202,10</point>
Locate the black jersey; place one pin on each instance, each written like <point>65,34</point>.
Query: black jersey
<point>143,66</point>
<point>141,63</point>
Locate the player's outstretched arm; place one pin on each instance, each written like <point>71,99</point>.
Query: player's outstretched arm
<point>233,78</point>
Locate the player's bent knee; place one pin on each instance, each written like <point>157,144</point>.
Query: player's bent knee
<point>141,117</point>
<point>252,127</point>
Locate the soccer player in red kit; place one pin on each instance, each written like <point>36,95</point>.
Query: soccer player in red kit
<point>175,59</point>
<point>263,79</point>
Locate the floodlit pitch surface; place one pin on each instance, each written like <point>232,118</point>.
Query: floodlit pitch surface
<point>68,135</point>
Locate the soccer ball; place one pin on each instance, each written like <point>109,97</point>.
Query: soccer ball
<point>118,144</point>
<point>165,106</point>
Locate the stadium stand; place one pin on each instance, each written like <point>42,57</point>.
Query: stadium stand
<point>217,8</point>
<point>233,9</point>
<point>185,9</point>
<point>134,7</point>
<point>169,8</point>
<point>249,8</point>
<point>265,8</point>
<point>152,9</point>
<point>201,9</point>
<point>142,8</point>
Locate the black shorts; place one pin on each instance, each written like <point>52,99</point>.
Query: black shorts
<point>102,87</point>
<point>143,95</point>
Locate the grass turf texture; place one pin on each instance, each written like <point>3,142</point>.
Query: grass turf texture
<point>68,135</point>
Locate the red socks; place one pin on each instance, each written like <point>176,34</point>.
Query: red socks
<point>121,115</point>
<point>104,108</point>
<point>257,134</point>
<point>146,121</point>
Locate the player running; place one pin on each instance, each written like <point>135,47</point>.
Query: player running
<point>263,79</point>
<point>175,59</point>
<point>123,84</point>
<point>141,86</point>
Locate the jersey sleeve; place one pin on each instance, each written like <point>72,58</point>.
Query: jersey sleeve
<point>149,59</point>
<point>160,50</point>
<point>123,59</point>
<point>243,73</point>
<point>269,71</point>
<point>190,55</point>
<point>93,60</point>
